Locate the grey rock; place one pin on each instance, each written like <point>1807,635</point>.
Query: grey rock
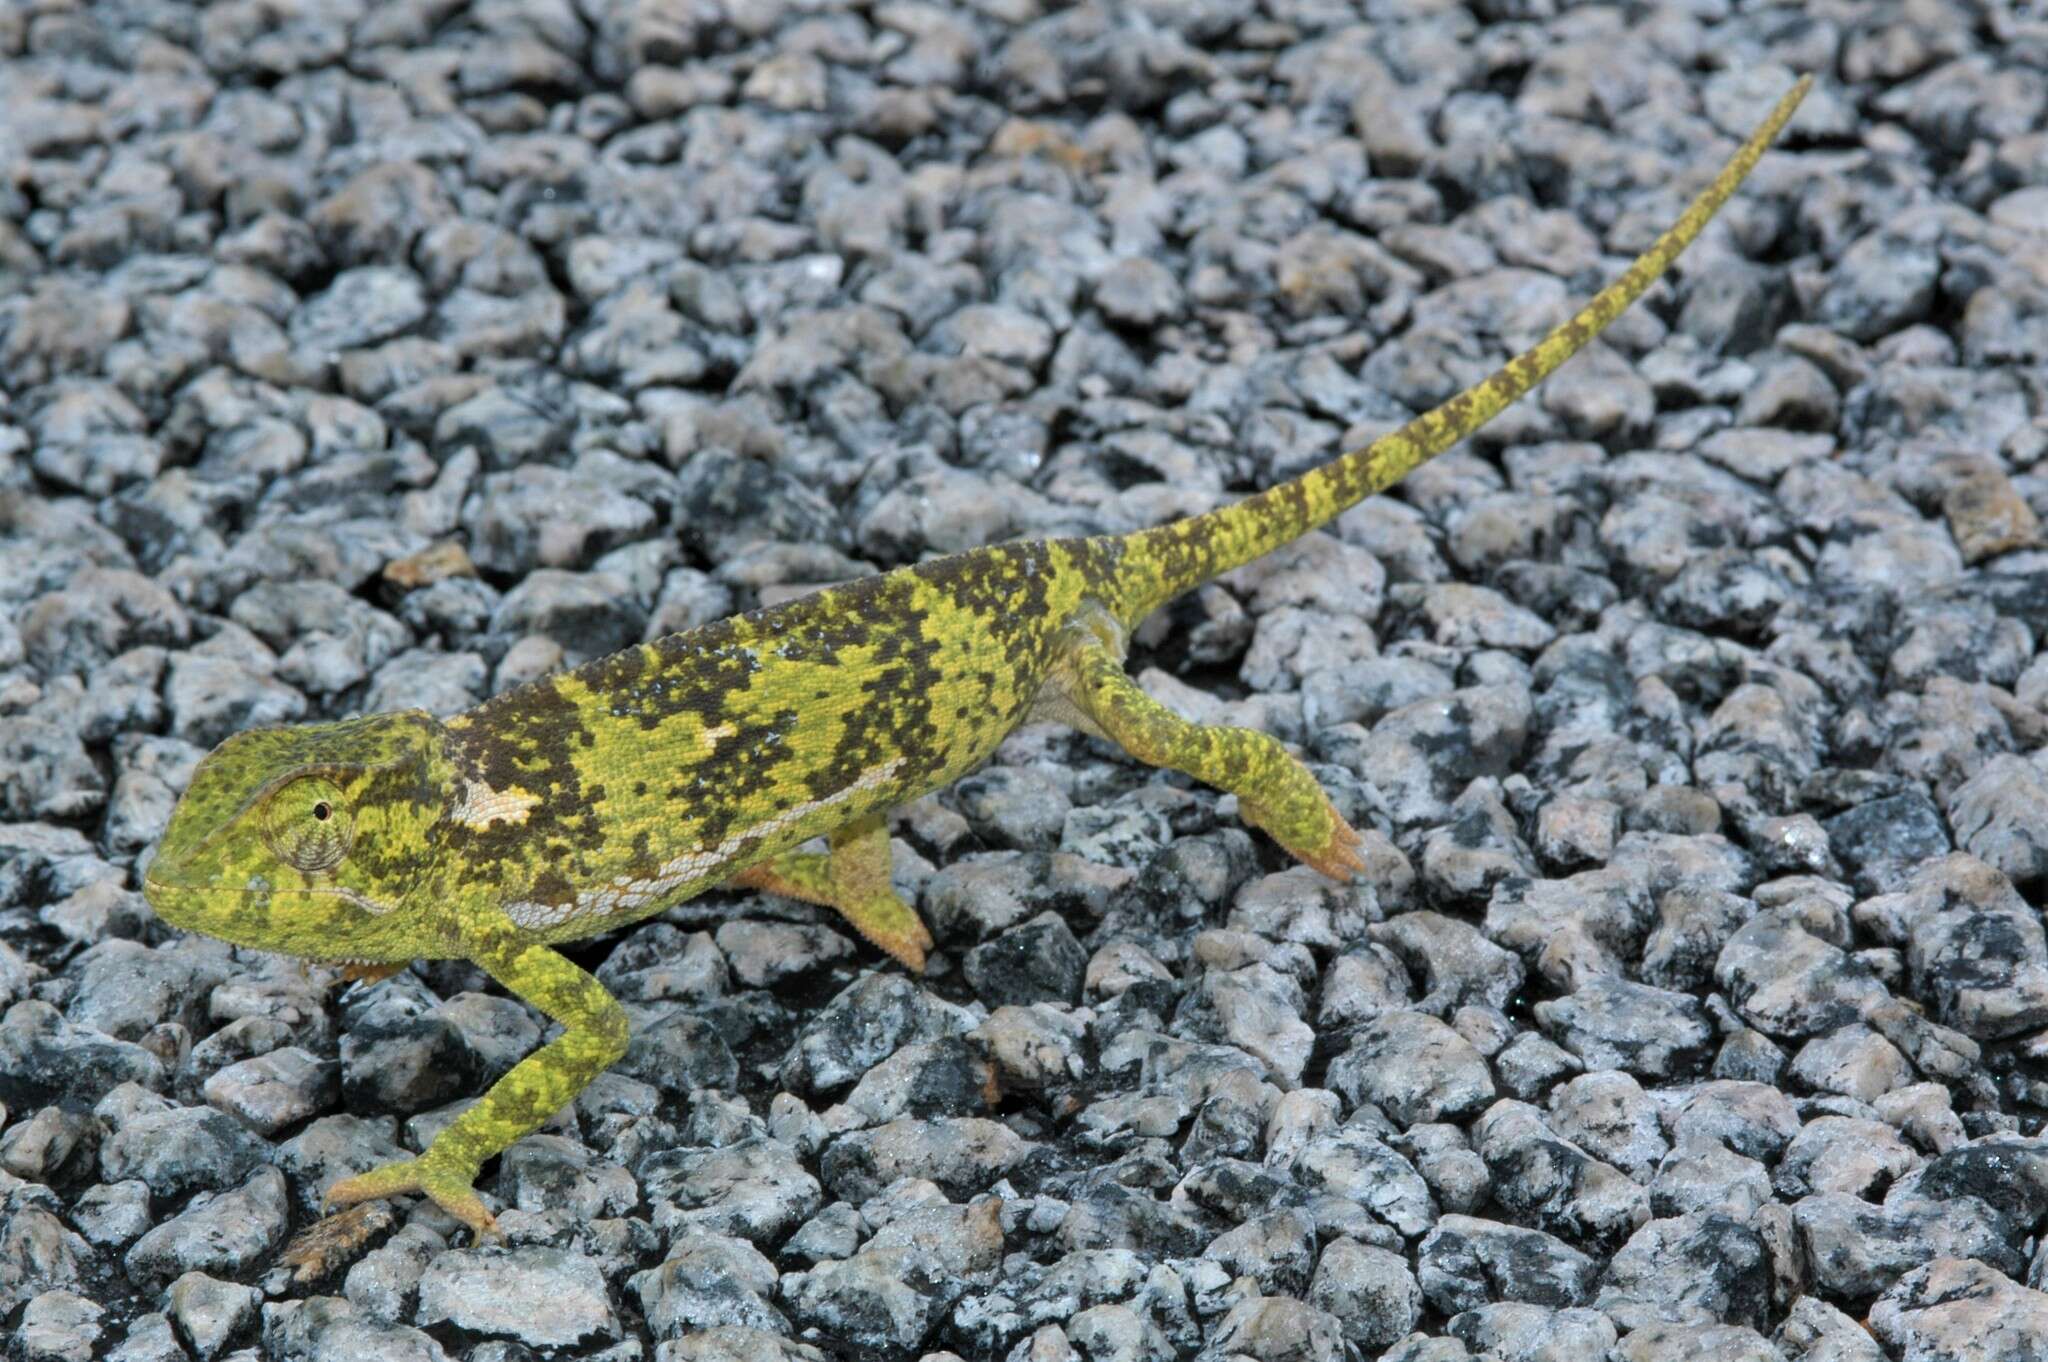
<point>709,1281</point>
<point>224,1234</point>
<point>1371,1292</point>
<point>1457,966</point>
<point>397,1055</point>
<point>1884,283</point>
<point>176,1150</point>
<point>1853,1061</point>
<point>1662,1342</point>
<point>59,1326</point>
<point>549,1172</point>
<point>1530,1065</point>
<point>1857,1249</point>
<point>1702,1177</point>
<point>1277,1250</point>
<point>48,773</point>
<point>38,1252</point>
<point>1138,292</point>
<point>538,516</point>
<point>211,1312</point>
<point>1815,1330</point>
<point>1466,1262</point>
<point>679,1054</point>
<point>1036,961</point>
<point>861,1026</point>
<point>1984,969</point>
<point>1884,839</point>
<point>586,613</point>
<point>834,1232</point>
<point>112,1214</point>
<point>911,1271</point>
<point>1609,1115</point>
<point>1785,981</point>
<point>43,1057</point>
<point>1954,1307</point>
<point>961,1154</point>
<point>1753,1119</point>
<point>1275,1329</point>
<point>1611,1023</point>
<point>1353,1162</point>
<point>1693,925</point>
<point>1013,806</point>
<point>124,988</point>
<point>945,1077</point>
<point>211,697</point>
<point>362,306</point>
<point>763,953</point>
<point>2009,1176</point>
<point>660,963</point>
<point>1404,756</point>
<point>1545,1180</point>
<point>328,639</point>
<point>1363,984</point>
<point>1255,1008</point>
<point>1695,1269</point>
<point>1415,1068</point>
<point>149,1339</point>
<point>1843,1154</point>
<point>493,1292</point>
<point>325,1328</point>
<point>756,1190</point>
<point>100,614</point>
<point>384,1283</point>
<point>1516,1329</point>
<point>1296,905</point>
<point>54,1146</point>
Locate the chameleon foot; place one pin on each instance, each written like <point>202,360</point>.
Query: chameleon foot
<point>447,1186</point>
<point>1321,839</point>
<point>887,922</point>
<point>893,926</point>
<point>1341,856</point>
<point>852,879</point>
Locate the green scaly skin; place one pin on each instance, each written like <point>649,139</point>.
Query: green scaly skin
<point>591,799</point>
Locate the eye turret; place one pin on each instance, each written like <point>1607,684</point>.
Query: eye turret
<point>309,824</point>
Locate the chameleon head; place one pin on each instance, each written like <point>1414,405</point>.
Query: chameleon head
<point>312,840</point>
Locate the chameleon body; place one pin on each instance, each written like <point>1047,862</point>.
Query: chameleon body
<point>587,800</point>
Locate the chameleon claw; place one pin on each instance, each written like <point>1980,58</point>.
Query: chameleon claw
<point>449,1188</point>
<point>1342,858</point>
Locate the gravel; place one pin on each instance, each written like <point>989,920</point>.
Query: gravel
<point>360,355</point>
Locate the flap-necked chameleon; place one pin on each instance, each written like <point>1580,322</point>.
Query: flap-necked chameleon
<point>587,800</point>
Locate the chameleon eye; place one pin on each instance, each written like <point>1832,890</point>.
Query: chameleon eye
<point>308,825</point>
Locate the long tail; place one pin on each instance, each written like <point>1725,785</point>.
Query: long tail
<point>1158,564</point>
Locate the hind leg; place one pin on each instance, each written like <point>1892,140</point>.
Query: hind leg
<point>853,879</point>
<point>1275,793</point>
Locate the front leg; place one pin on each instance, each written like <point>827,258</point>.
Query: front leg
<point>537,1087</point>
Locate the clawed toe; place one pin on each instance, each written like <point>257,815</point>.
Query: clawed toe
<point>1342,856</point>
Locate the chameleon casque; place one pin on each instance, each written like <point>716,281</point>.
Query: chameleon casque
<point>590,799</point>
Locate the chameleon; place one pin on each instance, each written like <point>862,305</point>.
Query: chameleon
<point>592,798</point>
